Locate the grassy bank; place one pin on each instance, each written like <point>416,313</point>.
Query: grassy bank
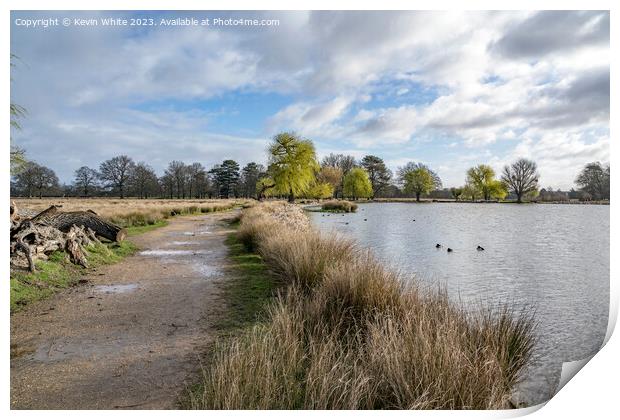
<point>58,273</point>
<point>346,334</point>
<point>339,206</point>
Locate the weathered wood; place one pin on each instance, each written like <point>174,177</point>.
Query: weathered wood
<point>38,236</point>
<point>63,221</point>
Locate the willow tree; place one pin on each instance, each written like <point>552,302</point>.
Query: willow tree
<point>292,164</point>
<point>418,179</point>
<point>18,159</point>
<point>482,178</point>
<point>356,184</point>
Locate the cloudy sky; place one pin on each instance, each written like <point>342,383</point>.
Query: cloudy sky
<point>448,89</point>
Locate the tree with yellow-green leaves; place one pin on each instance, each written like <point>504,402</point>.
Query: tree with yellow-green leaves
<point>418,179</point>
<point>356,184</point>
<point>292,165</point>
<point>482,178</point>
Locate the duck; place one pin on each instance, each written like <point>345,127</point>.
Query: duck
<point>365,220</point>
<point>479,248</point>
<point>438,246</point>
<point>449,249</point>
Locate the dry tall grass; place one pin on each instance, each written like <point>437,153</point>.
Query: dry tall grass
<point>339,206</point>
<point>345,334</point>
<point>131,212</point>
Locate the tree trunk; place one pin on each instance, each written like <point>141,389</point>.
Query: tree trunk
<point>518,198</point>
<point>88,219</point>
<point>417,197</point>
<point>291,196</point>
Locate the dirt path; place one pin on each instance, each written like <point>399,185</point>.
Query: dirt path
<point>131,337</point>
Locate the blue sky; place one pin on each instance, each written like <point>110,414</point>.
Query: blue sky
<point>448,89</point>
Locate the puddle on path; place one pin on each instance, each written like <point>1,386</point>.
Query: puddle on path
<point>116,288</point>
<point>170,252</point>
<point>207,270</point>
<point>181,243</point>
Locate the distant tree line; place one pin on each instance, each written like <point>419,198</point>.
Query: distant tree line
<point>293,171</point>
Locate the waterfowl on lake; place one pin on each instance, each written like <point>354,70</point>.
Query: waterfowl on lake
<point>480,248</point>
<point>365,220</point>
<point>437,246</point>
<point>449,249</point>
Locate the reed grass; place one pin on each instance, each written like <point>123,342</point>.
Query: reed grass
<point>343,206</point>
<point>346,334</point>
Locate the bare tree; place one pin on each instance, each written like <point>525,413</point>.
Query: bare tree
<point>36,180</point>
<point>177,170</point>
<point>194,173</point>
<point>144,180</point>
<point>85,179</point>
<point>116,172</point>
<point>521,177</point>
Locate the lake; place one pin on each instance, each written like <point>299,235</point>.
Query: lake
<point>552,258</point>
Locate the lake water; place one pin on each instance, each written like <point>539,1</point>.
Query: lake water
<point>554,258</point>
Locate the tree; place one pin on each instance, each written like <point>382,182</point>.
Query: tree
<point>226,177</point>
<point>320,190</point>
<point>36,180</point>
<point>167,183</point>
<point>522,178</point>
<point>470,192</point>
<point>250,174</point>
<point>594,179</point>
<point>482,178</point>
<point>356,184</point>
<point>195,175</point>
<point>456,193</point>
<point>418,179</point>
<point>292,164</point>
<point>17,154</point>
<point>144,180</point>
<point>85,179</point>
<point>116,173</point>
<point>177,171</point>
<point>343,162</point>
<point>378,173</point>
<point>331,175</point>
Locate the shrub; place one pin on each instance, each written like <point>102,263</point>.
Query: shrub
<point>339,206</point>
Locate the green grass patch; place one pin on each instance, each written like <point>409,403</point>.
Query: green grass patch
<point>139,230</point>
<point>247,291</point>
<point>58,273</point>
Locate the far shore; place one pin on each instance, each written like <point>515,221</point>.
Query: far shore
<point>447,200</point>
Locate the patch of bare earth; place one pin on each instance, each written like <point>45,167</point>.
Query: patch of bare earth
<point>132,336</point>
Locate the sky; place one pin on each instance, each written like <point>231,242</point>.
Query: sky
<point>449,89</point>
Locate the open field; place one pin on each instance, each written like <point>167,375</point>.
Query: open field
<point>346,334</point>
<point>131,212</point>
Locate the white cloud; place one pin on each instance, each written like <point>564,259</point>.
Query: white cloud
<point>521,83</point>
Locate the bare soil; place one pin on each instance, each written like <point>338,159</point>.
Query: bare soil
<point>132,335</point>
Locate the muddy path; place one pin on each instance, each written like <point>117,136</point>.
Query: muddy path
<point>132,336</point>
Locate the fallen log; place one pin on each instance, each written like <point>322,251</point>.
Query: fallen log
<point>36,237</point>
<point>63,221</point>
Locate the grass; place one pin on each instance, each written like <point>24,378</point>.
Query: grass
<point>339,206</point>
<point>247,291</point>
<point>58,273</point>
<point>132,212</point>
<point>139,230</point>
<point>346,334</point>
